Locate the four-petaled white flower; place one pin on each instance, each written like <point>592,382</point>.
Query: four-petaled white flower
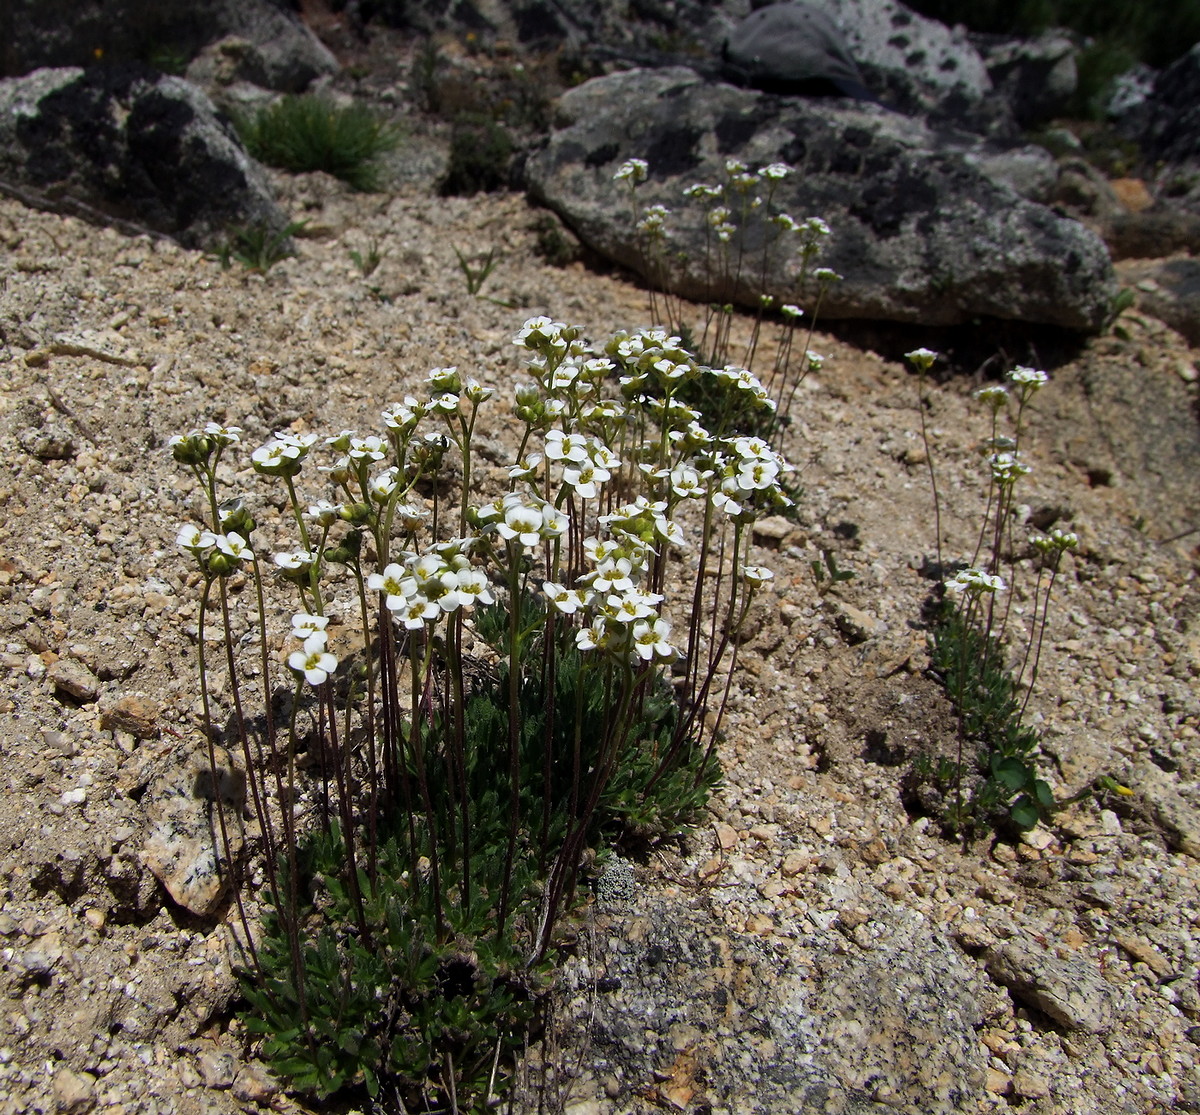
<point>193,539</point>
<point>632,171</point>
<point>235,546</point>
<point>650,640</point>
<point>314,661</point>
<point>974,582</point>
<point>756,576</point>
<point>305,626</point>
<point>566,600</point>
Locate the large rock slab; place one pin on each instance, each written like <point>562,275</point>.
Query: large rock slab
<point>133,145</point>
<point>679,1010</point>
<point>919,233</point>
<point>56,33</point>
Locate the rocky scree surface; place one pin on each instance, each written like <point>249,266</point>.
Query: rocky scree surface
<point>810,913</point>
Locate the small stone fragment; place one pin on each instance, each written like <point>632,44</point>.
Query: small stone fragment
<point>774,528</point>
<point>1071,992</point>
<point>136,715</point>
<point>726,836</point>
<point>1029,1084</point>
<point>218,1068</point>
<point>73,678</point>
<point>1142,950</point>
<point>184,847</point>
<point>254,1084</point>
<point>854,623</point>
<point>73,1091</point>
<point>1179,821</point>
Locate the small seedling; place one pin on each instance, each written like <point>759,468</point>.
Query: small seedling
<point>259,247</point>
<point>369,261</point>
<point>476,269</point>
<point>829,570</point>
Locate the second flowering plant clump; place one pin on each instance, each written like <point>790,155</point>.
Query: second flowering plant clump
<point>530,676</point>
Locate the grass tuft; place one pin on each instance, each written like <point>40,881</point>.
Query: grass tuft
<point>305,133</point>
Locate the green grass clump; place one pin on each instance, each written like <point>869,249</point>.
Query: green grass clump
<point>1004,785</point>
<point>305,133</point>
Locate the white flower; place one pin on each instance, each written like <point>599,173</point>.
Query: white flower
<point>324,512</point>
<point>409,517</point>
<point>592,637</point>
<point>403,416</point>
<point>788,309</point>
<point>314,661</point>
<point>305,626</point>
<point>526,468</point>
<point>278,458</point>
<point>391,582</point>
<point>650,640</point>
<point>1029,378</point>
<point>585,479</point>
<point>522,523</point>
<point>294,559</point>
<point>775,171</point>
<point>756,576</point>
<point>631,605</point>
<point>370,448</point>
<point>686,483</point>
<point>756,475</point>
<point>632,171</point>
<point>923,358</point>
<point>415,611</point>
<point>566,447</point>
<point>566,600</point>
<point>444,379</point>
<point>473,588</point>
<point>974,582</point>
<point>235,546</point>
<point>193,539</point>
<point>223,435</point>
<point>994,396</point>
<point>1007,468</point>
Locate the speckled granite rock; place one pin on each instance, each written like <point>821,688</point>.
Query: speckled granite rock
<point>687,1012</point>
<point>1072,992</point>
<point>184,844</point>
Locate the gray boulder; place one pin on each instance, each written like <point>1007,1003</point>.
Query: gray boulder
<point>1037,77</point>
<point>842,1023</point>
<point>791,48</point>
<point>59,33</point>
<point>916,64</point>
<point>1170,137</point>
<point>130,145</point>
<point>919,234</point>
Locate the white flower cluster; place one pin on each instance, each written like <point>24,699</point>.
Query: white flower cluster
<point>425,587</point>
<point>219,554</point>
<point>618,617</point>
<point>1008,468</point>
<point>974,583</point>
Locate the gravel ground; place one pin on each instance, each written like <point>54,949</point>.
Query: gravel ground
<point>113,996</point>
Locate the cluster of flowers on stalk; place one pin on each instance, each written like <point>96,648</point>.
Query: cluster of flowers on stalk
<point>595,422</point>
<point>742,197</point>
